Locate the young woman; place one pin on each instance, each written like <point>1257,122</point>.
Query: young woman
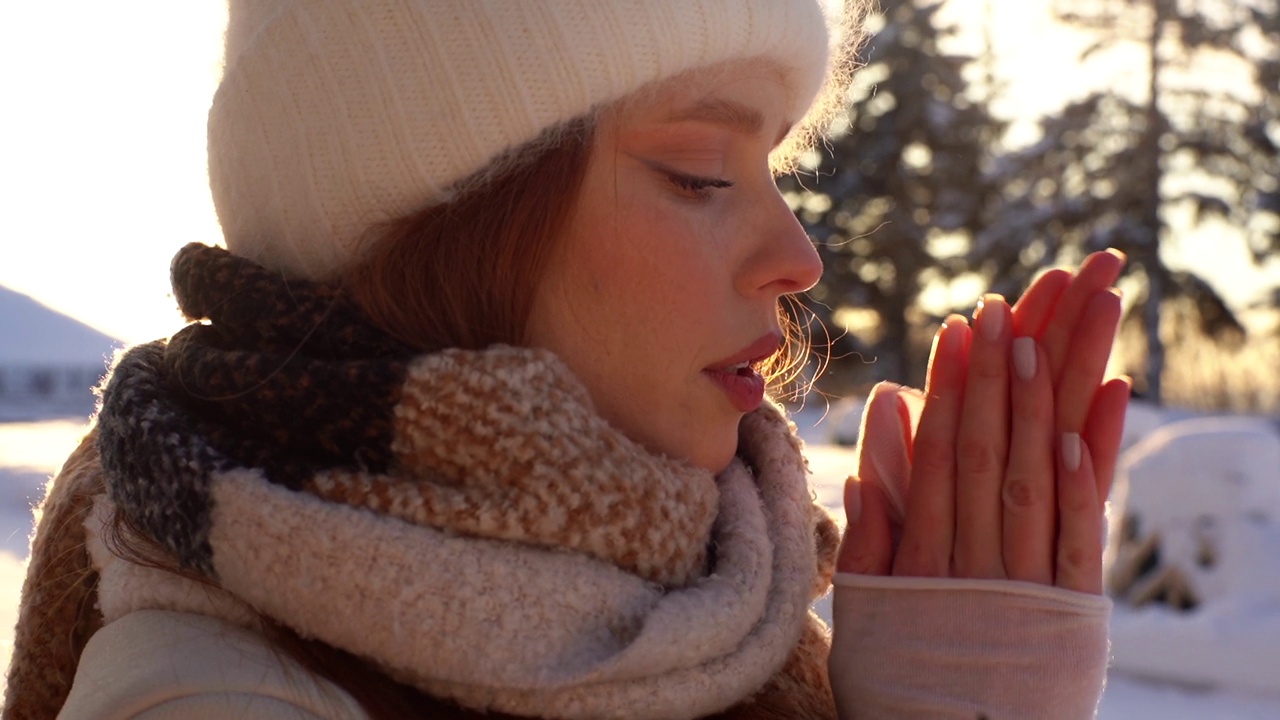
<point>472,417</point>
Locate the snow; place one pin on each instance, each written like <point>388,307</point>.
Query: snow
<point>1170,666</point>
<point>1205,493</point>
<point>35,335</point>
<point>49,362</point>
<point>1210,489</point>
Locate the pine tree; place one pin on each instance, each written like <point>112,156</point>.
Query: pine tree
<point>1112,170</point>
<point>896,199</point>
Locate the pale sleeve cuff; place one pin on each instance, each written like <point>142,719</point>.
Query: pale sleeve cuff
<point>952,648</point>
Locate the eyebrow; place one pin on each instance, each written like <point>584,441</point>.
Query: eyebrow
<point>730,114</point>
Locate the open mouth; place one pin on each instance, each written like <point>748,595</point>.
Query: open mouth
<point>739,375</point>
<point>742,384</point>
<point>746,368</point>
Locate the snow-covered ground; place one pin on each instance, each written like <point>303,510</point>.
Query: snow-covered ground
<point>30,452</point>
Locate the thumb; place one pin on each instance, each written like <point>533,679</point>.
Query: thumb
<point>884,450</point>
<point>866,548</point>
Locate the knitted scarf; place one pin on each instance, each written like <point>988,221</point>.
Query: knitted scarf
<point>483,533</point>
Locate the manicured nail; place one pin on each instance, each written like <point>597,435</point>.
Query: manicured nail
<point>949,337</point>
<point>1071,451</point>
<point>990,317</point>
<point>852,500</point>
<point>1024,358</point>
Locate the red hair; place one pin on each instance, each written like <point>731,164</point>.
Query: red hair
<point>463,274</point>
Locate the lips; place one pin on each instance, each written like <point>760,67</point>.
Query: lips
<point>757,352</point>
<point>738,377</point>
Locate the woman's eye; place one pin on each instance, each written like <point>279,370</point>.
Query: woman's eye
<point>698,188</point>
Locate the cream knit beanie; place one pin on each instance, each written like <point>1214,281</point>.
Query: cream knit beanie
<point>334,115</point>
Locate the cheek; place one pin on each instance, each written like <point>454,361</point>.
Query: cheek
<point>628,301</point>
<point>668,253</point>
<point>635,296</point>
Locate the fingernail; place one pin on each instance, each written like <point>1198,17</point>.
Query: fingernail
<point>1071,451</point>
<point>852,499</point>
<point>1024,358</point>
<point>990,317</point>
<point>948,336</point>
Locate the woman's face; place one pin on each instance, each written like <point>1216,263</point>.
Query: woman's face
<point>663,293</point>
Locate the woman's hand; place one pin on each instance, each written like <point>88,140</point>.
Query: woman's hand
<point>1016,444</point>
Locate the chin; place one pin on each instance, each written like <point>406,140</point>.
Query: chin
<point>717,457</point>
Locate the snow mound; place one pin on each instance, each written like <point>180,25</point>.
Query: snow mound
<point>1194,554</point>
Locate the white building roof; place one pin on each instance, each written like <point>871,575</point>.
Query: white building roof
<point>32,334</point>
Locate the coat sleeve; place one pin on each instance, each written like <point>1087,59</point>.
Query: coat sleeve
<point>951,648</point>
<point>162,665</point>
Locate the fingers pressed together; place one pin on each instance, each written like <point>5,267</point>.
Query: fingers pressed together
<point>1016,445</point>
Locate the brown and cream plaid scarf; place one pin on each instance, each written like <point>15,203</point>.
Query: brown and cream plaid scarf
<point>310,467</point>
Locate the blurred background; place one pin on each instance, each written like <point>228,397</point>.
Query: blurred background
<point>986,141</point>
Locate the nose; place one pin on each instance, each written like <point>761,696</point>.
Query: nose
<point>783,260</point>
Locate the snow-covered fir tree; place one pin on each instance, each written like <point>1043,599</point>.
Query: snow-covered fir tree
<point>1195,140</point>
<point>898,194</point>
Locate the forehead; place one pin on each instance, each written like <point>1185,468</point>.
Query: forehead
<point>745,96</point>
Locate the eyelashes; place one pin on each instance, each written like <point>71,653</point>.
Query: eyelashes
<point>695,187</point>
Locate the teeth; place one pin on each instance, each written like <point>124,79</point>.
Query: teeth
<point>739,366</point>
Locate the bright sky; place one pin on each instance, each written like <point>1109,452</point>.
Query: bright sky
<point>102,160</point>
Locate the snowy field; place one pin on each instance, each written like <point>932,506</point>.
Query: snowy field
<point>30,452</point>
